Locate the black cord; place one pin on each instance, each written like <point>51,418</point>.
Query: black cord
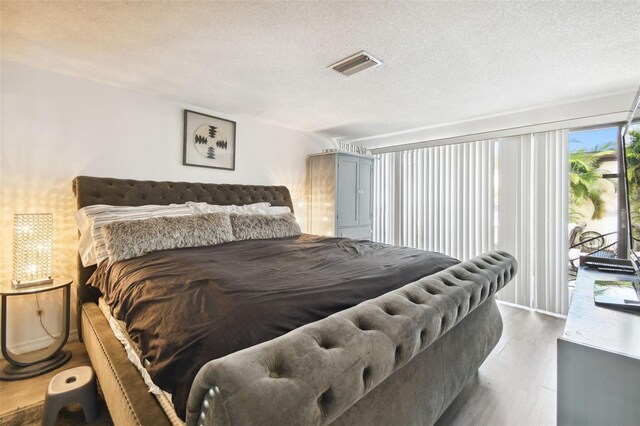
<point>40,317</point>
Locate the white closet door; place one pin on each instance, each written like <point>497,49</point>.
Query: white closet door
<point>347,191</point>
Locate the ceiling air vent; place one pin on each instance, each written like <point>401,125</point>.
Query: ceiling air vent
<point>356,63</point>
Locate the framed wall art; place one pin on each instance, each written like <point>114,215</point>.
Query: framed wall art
<point>209,141</point>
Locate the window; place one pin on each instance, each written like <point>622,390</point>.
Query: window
<point>593,193</point>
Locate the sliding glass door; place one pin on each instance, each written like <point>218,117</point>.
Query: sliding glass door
<point>593,194</point>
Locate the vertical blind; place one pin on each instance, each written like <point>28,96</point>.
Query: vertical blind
<point>439,199</point>
<point>533,216</point>
<point>465,199</point>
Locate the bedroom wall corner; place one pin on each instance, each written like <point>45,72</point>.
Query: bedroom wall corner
<point>54,127</point>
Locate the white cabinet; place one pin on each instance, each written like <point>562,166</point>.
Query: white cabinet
<point>341,202</point>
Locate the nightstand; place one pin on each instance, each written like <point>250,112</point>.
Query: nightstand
<point>33,364</point>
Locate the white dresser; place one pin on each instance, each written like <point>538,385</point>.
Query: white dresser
<point>598,360</point>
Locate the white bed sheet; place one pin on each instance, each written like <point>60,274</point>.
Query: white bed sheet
<point>164,398</point>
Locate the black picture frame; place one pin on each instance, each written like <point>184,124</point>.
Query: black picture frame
<point>195,157</point>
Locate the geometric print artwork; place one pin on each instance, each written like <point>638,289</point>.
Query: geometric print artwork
<point>209,138</point>
<point>209,141</point>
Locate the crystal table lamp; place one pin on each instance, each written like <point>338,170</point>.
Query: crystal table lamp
<point>32,249</point>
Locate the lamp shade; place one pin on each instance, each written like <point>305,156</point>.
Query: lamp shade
<point>32,249</point>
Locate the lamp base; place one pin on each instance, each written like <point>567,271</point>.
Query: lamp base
<point>22,284</point>
<point>11,372</point>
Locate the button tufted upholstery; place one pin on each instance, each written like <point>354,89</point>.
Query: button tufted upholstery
<point>313,374</point>
<point>90,190</point>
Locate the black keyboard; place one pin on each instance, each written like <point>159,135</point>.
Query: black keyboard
<point>610,267</point>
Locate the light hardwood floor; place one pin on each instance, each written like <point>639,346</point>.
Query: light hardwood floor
<point>21,401</point>
<point>515,386</point>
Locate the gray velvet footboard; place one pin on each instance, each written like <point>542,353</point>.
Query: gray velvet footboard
<point>397,359</point>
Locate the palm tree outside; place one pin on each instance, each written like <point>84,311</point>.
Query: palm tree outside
<point>586,181</point>
<point>593,185</point>
<point>632,149</point>
<point>633,171</point>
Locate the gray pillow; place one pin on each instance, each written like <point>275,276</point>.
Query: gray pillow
<point>259,226</point>
<point>132,238</point>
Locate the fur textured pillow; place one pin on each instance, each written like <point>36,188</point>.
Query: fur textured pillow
<point>133,238</point>
<point>92,218</point>
<point>259,226</point>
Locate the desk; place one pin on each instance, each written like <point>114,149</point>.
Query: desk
<point>598,359</point>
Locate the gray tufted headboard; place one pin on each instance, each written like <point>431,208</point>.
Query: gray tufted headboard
<point>90,190</point>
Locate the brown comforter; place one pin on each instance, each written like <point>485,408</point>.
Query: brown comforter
<point>185,307</point>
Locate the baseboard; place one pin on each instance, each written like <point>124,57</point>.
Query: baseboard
<point>39,343</point>
<point>526,308</point>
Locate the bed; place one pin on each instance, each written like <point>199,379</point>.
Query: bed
<point>399,354</point>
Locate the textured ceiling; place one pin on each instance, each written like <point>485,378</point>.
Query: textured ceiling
<point>443,61</point>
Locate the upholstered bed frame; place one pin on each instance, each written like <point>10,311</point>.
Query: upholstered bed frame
<point>398,359</point>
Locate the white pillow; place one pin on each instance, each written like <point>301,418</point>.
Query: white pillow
<point>91,219</point>
<point>85,242</point>
<point>205,208</point>
<point>279,210</point>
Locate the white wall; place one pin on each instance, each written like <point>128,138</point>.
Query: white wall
<point>55,127</point>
